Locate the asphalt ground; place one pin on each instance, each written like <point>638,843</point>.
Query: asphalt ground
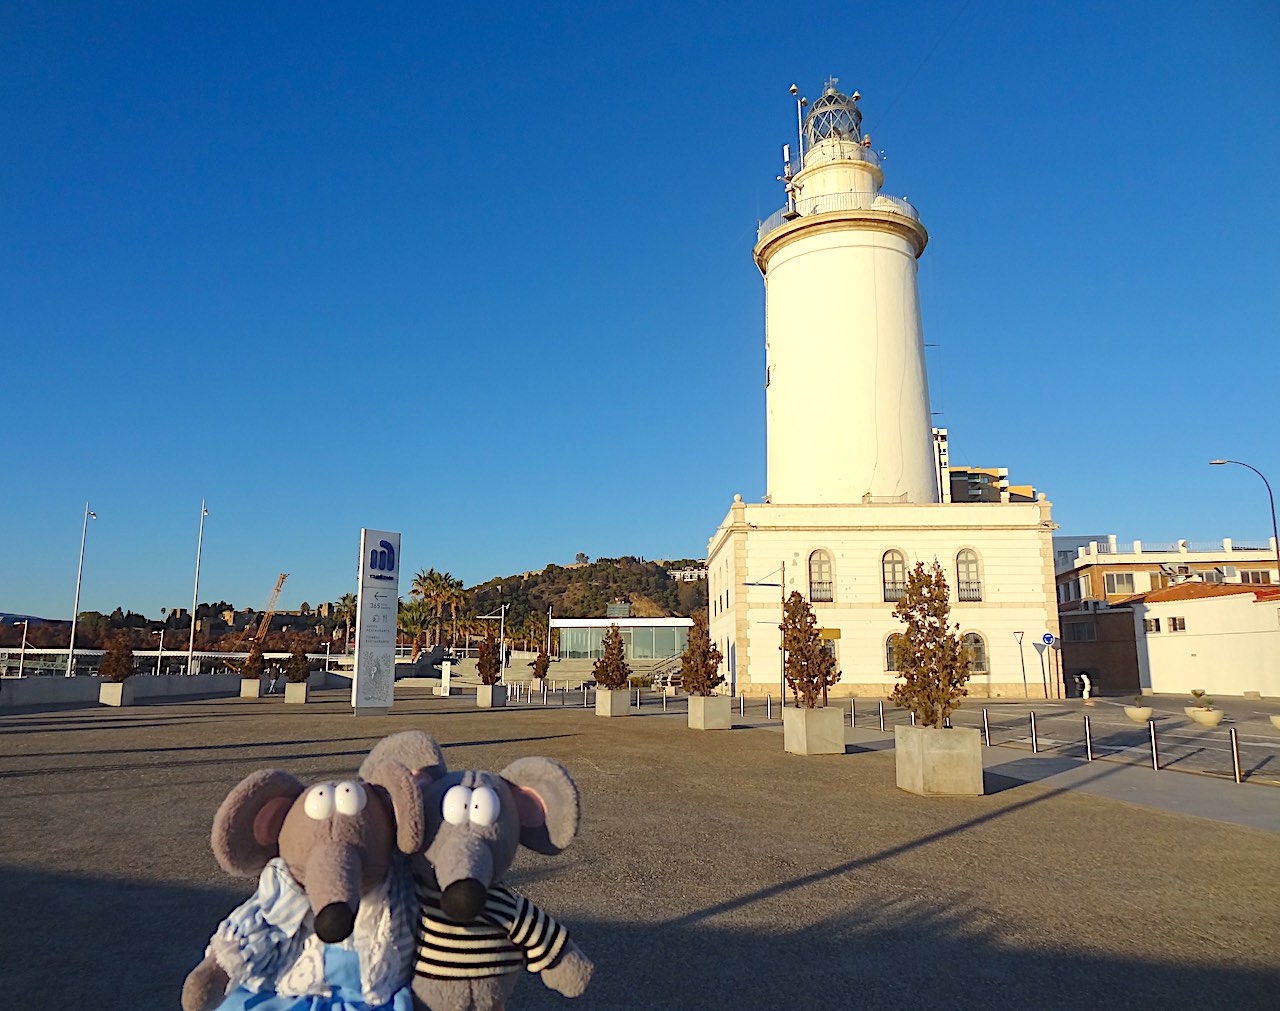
<point>713,870</point>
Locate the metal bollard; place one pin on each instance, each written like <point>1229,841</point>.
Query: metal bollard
<point>946,722</point>
<point>1235,754</point>
<point>544,692</point>
<point>768,707</point>
<point>913,717</point>
<point>853,712</point>
<point>742,706</point>
<point>880,706</point>
<point>664,702</point>
<point>1155,749</point>
<point>1088,740</point>
<point>1035,741</point>
<point>986,728</point>
<point>584,695</point>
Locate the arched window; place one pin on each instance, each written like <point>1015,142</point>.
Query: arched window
<point>890,661</point>
<point>894,569</point>
<point>977,648</point>
<point>821,586</point>
<point>968,576</point>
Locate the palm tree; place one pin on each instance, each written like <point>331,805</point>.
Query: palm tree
<point>345,611</point>
<point>413,621</point>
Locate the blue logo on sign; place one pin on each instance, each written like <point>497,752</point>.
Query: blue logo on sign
<point>383,557</point>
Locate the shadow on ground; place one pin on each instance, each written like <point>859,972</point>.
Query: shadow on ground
<point>106,943</point>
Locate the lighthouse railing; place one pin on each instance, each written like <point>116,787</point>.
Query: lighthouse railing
<point>852,200</point>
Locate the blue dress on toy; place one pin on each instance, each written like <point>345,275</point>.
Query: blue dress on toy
<point>269,949</point>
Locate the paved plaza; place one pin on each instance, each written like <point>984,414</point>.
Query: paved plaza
<point>713,870</point>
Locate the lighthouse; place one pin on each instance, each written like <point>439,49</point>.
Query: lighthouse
<point>847,396</point>
<point>853,500</point>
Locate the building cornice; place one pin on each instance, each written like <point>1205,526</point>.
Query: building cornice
<point>840,221</point>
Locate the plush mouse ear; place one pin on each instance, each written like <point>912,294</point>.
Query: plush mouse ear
<point>400,788</point>
<point>548,803</point>
<point>416,750</point>
<point>246,829</point>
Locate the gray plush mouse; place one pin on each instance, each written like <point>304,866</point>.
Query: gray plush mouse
<point>475,936</point>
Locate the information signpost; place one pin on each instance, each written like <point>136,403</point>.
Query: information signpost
<point>373,682</point>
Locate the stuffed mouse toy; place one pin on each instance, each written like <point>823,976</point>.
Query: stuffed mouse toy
<point>475,935</point>
<point>330,927</point>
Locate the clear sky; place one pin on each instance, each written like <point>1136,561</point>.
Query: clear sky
<point>482,273</point>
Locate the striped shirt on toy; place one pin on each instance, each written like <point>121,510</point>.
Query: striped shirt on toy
<point>510,933</point>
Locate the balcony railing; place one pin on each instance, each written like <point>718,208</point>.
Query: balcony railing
<point>852,200</point>
<point>969,590</point>
<point>894,590</point>
<point>821,591</point>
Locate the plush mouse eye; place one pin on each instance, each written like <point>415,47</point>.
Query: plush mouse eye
<point>319,802</point>
<point>349,798</point>
<point>484,806</point>
<point>457,802</point>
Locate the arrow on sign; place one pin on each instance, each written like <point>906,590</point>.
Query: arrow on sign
<point>378,596</point>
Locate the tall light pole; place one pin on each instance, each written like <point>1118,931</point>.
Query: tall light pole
<point>195,592</point>
<point>1275,537</point>
<point>22,655</point>
<point>160,653</point>
<point>75,607</point>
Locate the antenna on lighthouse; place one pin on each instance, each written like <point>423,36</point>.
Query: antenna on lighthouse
<point>786,161</point>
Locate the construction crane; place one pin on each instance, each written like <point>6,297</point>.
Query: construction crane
<point>268,612</point>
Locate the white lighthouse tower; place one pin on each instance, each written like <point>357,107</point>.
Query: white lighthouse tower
<point>853,500</point>
<point>847,398</point>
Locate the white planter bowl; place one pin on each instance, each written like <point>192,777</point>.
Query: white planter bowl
<point>1139,714</point>
<point>1206,717</point>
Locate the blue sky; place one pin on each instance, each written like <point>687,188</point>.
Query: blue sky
<point>484,276</point>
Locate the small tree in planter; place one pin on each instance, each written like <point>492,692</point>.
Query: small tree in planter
<point>490,694</point>
<point>809,671</point>
<point>117,667</point>
<point>541,664</point>
<point>933,668</point>
<point>296,672</point>
<point>700,677</point>
<point>252,667</point>
<point>611,672</point>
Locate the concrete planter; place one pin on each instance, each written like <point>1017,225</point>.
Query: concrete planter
<point>117,693</point>
<point>1139,714</point>
<point>296,692</point>
<point>933,762</point>
<point>711,712</point>
<point>613,701</point>
<point>251,688</point>
<point>491,696</point>
<point>813,731</point>
<point>1206,717</point>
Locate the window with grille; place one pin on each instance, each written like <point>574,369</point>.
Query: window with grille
<point>894,571</point>
<point>1177,624</point>
<point>1150,625</point>
<point>890,661</point>
<point>821,584</point>
<point>1081,631</point>
<point>977,648</point>
<point>968,578</point>
<point>1256,576</point>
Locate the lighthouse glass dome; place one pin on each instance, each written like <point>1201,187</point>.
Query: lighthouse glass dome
<point>833,115</point>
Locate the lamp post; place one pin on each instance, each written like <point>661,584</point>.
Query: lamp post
<point>75,607</point>
<point>160,653</point>
<point>1275,537</point>
<point>22,654</point>
<point>782,586</point>
<point>195,592</point>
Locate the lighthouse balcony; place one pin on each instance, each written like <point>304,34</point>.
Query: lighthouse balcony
<point>829,202</point>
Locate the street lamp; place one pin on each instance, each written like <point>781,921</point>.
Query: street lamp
<point>195,592</point>
<point>160,653</point>
<point>22,655</point>
<point>75,607</point>
<point>1275,538</point>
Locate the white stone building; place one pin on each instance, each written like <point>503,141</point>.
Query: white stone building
<point>1222,637</point>
<point>854,479</point>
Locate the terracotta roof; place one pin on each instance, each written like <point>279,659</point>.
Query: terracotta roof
<point>1200,591</point>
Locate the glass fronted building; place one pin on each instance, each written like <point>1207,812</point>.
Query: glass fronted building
<point>642,638</point>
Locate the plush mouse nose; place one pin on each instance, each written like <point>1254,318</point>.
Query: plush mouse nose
<point>463,899</point>
<point>335,922</point>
